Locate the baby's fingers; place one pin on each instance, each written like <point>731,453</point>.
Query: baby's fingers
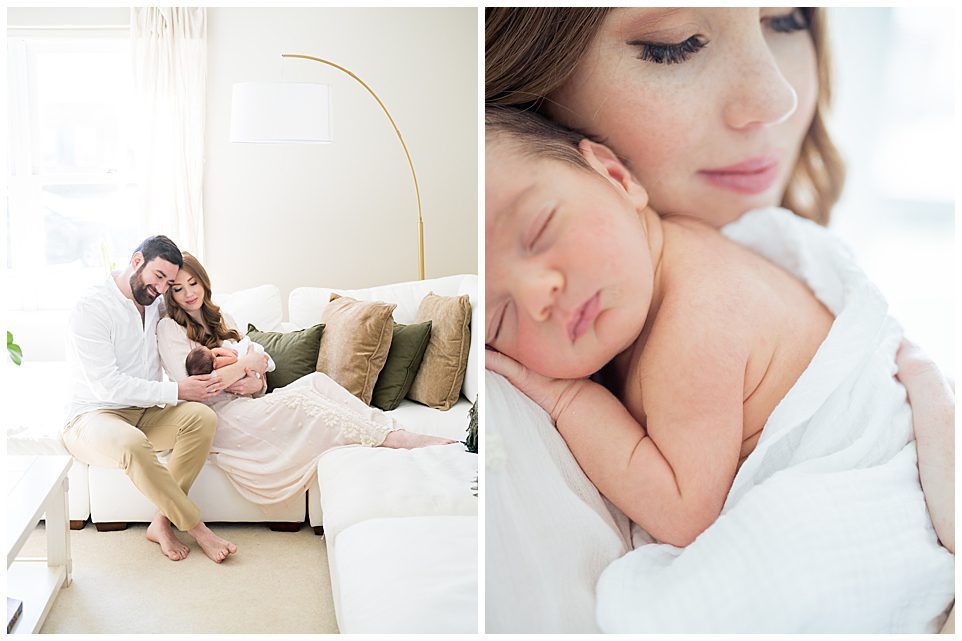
<point>501,364</point>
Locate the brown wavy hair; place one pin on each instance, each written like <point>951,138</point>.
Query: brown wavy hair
<point>219,331</point>
<point>530,52</point>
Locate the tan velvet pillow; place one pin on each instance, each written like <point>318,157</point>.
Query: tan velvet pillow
<point>355,343</point>
<point>438,381</point>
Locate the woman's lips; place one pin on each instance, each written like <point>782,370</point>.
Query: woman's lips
<point>190,302</point>
<point>752,176</point>
<point>583,317</point>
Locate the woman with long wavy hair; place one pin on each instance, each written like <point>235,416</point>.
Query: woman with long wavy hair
<point>716,111</point>
<point>267,443</point>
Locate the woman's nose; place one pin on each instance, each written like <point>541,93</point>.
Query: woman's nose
<point>759,95</point>
<point>540,291</point>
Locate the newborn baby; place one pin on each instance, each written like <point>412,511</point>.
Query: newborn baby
<point>204,360</point>
<point>695,338</point>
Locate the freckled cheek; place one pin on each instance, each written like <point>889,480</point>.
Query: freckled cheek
<point>661,142</point>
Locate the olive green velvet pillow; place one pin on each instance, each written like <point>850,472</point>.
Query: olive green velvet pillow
<point>403,360</point>
<point>294,353</point>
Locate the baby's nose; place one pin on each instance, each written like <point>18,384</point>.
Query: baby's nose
<point>542,293</point>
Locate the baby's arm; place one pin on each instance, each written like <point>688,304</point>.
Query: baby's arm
<point>671,479</point>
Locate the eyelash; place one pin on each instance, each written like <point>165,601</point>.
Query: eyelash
<point>788,23</point>
<point>504,312</point>
<point>668,54</point>
<point>544,226</point>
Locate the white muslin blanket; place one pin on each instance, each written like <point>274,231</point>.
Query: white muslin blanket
<point>825,528</point>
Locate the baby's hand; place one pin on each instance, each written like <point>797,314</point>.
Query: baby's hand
<point>223,356</point>
<point>552,394</point>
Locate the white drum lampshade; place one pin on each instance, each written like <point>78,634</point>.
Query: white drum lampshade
<point>281,112</point>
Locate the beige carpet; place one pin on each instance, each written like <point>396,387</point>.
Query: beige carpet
<point>278,582</point>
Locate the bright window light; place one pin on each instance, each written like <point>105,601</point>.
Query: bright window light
<point>72,201</point>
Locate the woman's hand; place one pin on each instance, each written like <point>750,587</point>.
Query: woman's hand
<point>223,356</point>
<point>255,361</point>
<point>932,397</point>
<point>250,384</point>
<point>552,394</point>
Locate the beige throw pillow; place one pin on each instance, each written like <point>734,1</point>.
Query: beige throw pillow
<point>355,343</point>
<point>438,381</point>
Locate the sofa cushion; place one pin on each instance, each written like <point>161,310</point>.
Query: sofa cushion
<point>361,483</point>
<point>403,361</point>
<point>438,382</point>
<point>414,575</point>
<point>260,306</point>
<point>356,342</point>
<point>294,353</point>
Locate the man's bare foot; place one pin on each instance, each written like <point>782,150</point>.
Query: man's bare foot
<point>159,532</point>
<point>213,546</point>
<point>403,439</point>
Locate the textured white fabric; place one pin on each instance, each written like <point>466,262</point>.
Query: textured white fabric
<point>825,528</point>
<point>170,79</point>
<point>408,575</point>
<point>269,445</point>
<point>548,532</point>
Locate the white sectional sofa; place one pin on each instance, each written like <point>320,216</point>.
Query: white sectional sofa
<point>416,507</point>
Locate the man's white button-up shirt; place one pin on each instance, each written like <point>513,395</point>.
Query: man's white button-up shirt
<point>113,355</point>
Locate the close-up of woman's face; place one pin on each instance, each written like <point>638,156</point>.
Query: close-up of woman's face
<point>187,291</point>
<point>709,107</point>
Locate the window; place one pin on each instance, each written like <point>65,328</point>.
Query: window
<point>894,122</point>
<point>72,202</point>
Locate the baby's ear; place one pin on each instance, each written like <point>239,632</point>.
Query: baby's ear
<point>606,163</point>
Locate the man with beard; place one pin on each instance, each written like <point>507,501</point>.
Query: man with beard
<point>123,412</point>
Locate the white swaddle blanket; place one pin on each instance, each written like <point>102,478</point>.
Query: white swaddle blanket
<point>825,528</point>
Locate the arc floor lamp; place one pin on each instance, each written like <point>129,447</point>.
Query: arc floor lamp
<point>300,113</point>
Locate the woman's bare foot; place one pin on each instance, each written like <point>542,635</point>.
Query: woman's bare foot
<point>403,439</point>
<point>159,532</point>
<point>213,546</point>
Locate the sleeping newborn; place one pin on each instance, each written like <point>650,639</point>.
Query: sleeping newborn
<point>204,360</point>
<point>696,338</point>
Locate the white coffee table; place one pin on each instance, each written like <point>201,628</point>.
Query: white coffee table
<point>37,489</point>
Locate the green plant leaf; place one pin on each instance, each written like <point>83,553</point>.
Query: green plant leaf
<point>13,350</point>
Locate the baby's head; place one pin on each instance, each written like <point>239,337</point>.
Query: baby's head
<point>568,268</point>
<point>200,360</point>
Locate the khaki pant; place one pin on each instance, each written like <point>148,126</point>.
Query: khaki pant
<point>128,438</point>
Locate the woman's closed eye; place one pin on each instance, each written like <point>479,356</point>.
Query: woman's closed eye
<point>665,53</point>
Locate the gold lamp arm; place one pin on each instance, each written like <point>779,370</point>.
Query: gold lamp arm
<point>417,192</point>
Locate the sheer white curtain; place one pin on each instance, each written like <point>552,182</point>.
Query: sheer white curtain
<point>170,78</point>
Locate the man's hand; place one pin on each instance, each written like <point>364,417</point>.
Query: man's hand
<point>223,356</point>
<point>552,394</point>
<point>199,388</point>
<point>250,384</point>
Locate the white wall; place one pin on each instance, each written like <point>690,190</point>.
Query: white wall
<point>345,214</point>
